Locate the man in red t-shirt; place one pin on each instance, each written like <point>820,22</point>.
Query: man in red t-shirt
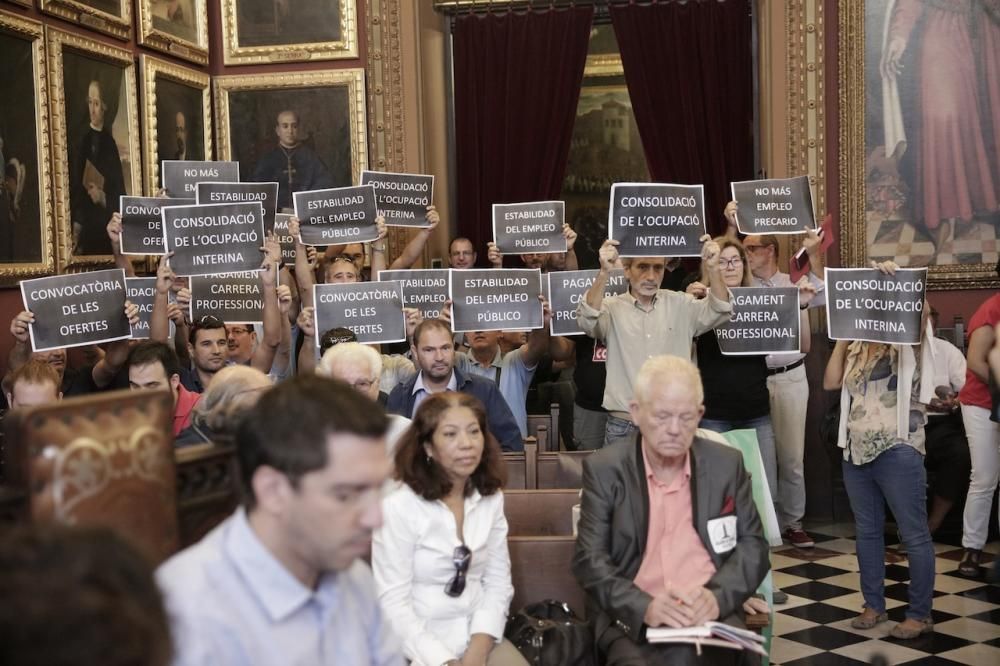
<point>154,365</point>
<point>983,435</point>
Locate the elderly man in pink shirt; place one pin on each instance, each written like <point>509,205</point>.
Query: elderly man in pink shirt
<point>669,535</point>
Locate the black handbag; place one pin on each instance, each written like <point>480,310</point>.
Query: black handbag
<point>550,633</point>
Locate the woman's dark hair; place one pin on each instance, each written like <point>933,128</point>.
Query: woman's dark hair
<point>426,476</point>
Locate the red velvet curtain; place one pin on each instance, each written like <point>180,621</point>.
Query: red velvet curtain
<point>517,83</point>
<point>688,67</point>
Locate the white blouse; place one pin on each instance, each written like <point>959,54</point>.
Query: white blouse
<point>412,561</point>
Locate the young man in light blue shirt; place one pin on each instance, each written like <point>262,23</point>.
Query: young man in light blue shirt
<point>281,581</point>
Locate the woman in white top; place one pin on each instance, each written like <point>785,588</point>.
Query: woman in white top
<point>442,570</point>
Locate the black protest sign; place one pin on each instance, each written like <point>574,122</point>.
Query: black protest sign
<point>568,288</point>
<point>765,320</point>
<point>529,228</point>
<point>774,206</point>
<point>220,193</point>
<point>285,239</point>
<point>181,177</point>
<point>372,310</point>
<point>401,198</point>
<point>235,298</point>
<point>141,292</point>
<point>142,223</point>
<point>864,304</point>
<point>336,216</point>
<point>425,289</point>
<point>214,239</point>
<point>493,299</point>
<point>76,309</point>
<point>657,220</point>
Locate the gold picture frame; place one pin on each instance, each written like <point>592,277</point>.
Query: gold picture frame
<point>24,3</point>
<point>330,109</point>
<point>171,94</point>
<point>881,201</point>
<point>112,17</point>
<point>26,249</point>
<point>254,31</point>
<point>101,83</point>
<point>183,33</point>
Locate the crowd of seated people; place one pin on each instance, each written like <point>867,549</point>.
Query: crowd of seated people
<point>399,456</point>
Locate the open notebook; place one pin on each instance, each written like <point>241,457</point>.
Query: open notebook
<point>716,634</point>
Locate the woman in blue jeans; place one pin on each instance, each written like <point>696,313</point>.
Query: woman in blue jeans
<point>882,433</point>
<point>736,395</point>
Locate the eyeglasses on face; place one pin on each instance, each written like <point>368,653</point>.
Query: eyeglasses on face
<point>238,330</point>
<point>462,558</point>
<point>731,262</point>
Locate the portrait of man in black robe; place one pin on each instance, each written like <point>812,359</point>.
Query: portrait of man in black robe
<point>96,177</point>
<point>293,165</point>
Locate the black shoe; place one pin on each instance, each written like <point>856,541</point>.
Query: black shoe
<point>969,566</point>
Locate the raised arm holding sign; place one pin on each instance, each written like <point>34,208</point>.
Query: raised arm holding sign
<point>401,198</point>
<point>774,206</point>
<point>141,222</point>
<point>214,238</point>
<point>264,193</point>
<point>529,228</point>
<point>338,215</point>
<point>881,304</point>
<point>496,299</point>
<point>656,219</point>
<point>372,310</point>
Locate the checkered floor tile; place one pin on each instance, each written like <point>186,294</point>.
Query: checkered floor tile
<point>814,627</point>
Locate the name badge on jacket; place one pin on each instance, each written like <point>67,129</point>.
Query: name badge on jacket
<point>722,533</point>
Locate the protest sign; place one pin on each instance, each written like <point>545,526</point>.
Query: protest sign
<point>339,215</point>
<point>285,239</point>
<point>141,291</point>
<point>142,223</point>
<point>493,299</point>
<point>765,320</point>
<point>656,219</point>
<point>529,228</point>
<point>402,198</point>
<point>235,298</point>
<point>372,310</point>
<point>864,304</point>
<point>214,238</point>
<point>180,177</point>
<point>774,206</point>
<point>76,309</point>
<point>425,289</point>
<point>265,193</point>
<point>568,288</point>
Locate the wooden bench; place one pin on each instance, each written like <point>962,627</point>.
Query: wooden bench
<point>540,512</point>
<point>542,568</point>
<point>560,469</point>
<point>548,421</point>
<point>521,466</point>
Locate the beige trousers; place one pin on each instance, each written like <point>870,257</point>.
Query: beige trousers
<point>505,654</point>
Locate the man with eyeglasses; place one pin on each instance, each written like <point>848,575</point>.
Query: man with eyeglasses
<point>669,534</point>
<point>787,382</point>
<point>281,581</point>
<point>461,253</point>
<point>645,321</point>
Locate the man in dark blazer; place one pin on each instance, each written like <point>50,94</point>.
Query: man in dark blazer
<point>703,553</point>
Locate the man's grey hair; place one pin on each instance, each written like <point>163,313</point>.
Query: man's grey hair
<point>662,369</point>
<point>347,352</point>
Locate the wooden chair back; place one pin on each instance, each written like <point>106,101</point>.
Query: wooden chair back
<point>540,512</point>
<point>560,469</point>
<point>104,459</point>
<point>542,568</point>
<point>207,488</point>
<point>521,466</point>
<point>548,421</point>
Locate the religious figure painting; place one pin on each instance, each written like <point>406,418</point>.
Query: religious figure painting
<point>304,131</point>
<point>176,116</point>
<point>928,121</point>
<point>95,141</point>
<point>288,30</point>
<point>26,218</point>
<point>113,17</point>
<point>178,27</point>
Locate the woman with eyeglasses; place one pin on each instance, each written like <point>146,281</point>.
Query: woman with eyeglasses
<point>736,395</point>
<point>442,570</point>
